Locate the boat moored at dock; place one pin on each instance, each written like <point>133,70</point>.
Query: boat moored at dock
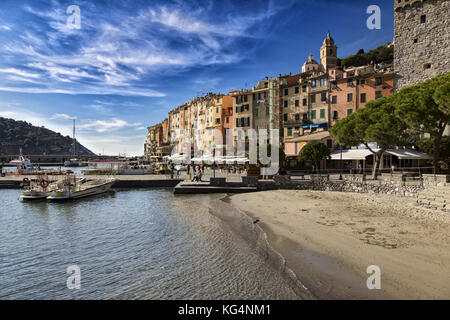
<point>71,189</point>
<point>41,187</point>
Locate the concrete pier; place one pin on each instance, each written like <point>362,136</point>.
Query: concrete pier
<point>206,187</point>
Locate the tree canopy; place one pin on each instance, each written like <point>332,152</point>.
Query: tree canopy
<point>382,54</point>
<point>427,145</point>
<point>399,119</point>
<point>377,122</point>
<point>425,109</point>
<point>315,152</point>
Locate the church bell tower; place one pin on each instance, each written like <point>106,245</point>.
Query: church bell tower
<point>328,53</point>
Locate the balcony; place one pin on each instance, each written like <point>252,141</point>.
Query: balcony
<point>292,122</point>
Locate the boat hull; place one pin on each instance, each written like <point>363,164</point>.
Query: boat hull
<point>95,190</point>
<point>37,196</point>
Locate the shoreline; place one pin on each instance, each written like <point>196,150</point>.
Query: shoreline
<point>242,224</point>
<point>326,255</point>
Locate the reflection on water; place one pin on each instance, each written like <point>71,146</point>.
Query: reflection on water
<point>144,244</point>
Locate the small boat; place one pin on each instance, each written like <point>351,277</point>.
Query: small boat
<point>34,194</point>
<point>23,164</point>
<point>70,188</point>
<point>40,188</point>
<point>71,163</point>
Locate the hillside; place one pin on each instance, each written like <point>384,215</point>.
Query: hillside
<point>382,54</point>
<point>34,140</point>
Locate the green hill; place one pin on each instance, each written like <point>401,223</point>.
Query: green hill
<point>382,54</point>
<point>35,140</point>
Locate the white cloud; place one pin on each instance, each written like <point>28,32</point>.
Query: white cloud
<point>107,125</point>
<point>89,91</point>
<point>63,116</point>
<point>55,71</point>
<point>6,114</point>
<point>18,72</point>
<point>123,52</point>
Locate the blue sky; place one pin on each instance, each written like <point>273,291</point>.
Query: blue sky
<point>134,60</point>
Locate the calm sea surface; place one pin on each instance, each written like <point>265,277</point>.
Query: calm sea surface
<point>129,244</point>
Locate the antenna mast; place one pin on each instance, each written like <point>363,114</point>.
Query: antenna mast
<point>74,141</point>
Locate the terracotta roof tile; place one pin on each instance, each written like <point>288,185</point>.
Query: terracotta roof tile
<point>292,80</point>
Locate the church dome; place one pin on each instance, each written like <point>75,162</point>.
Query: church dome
<point>310,60</point>
<point>310,64</point>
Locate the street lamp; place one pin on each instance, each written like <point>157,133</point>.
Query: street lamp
<point>214,161</point>
<point>340,175</point>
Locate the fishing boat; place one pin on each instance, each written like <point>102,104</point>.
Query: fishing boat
<point>35,189</point>
<point>41,188</point>
<point>74,162</point>
<point>24,165</point>
<point>71,188</point>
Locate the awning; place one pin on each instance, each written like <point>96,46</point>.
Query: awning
<point>352,154</point>
<point>219,160</point>
<point>177,157</point>
<point>409,154</point>
<point>361,154</point>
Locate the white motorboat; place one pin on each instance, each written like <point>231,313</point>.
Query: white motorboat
<point>73,189</point>
<point>23,164</point>
<point>34,194</point>
<point>41,188</point>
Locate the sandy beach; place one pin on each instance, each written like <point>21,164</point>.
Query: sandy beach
<point>329,239</point>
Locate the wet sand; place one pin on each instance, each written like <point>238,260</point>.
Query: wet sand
<point>328,239</point>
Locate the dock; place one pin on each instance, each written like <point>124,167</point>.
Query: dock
<point>123,181</point>
<point>207,187</point>
<point>180,184</point>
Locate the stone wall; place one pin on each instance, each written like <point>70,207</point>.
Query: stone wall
<point>353,183</point>
<point>393,184</point>
<point>431,180</point>
<point>417,44</point>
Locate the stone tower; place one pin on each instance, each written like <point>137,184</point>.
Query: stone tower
<point>328,53</point>
<point>421,40</point>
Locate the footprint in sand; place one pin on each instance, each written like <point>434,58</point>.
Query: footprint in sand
<point>328,223</point>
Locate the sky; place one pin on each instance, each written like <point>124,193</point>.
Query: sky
<point>131,61</point>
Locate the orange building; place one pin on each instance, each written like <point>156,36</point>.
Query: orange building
<point>352,88</point>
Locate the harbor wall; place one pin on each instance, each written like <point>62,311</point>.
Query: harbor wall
<point>395,184</point>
